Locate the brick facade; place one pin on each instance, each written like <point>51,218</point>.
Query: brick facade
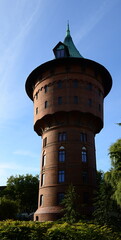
<point>68,98</point>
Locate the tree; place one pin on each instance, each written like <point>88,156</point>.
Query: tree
<point>8,209</point>
<point>24,190</point>
<point>115,155</point>
<point>114,175</point>
<point>106,209</point>
<point>70,204</point>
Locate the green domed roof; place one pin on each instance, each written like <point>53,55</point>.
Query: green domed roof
<point>73,52</point>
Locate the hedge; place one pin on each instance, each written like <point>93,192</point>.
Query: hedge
<point>22,230</point>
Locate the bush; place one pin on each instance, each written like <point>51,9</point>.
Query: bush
<point>19,230</point>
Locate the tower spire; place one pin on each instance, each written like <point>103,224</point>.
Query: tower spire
<point>68,30</point>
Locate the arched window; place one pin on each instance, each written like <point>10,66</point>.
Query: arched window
<point>61,154</point>
<point>84,154</point>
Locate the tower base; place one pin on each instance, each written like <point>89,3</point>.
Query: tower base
<point>48,214</point>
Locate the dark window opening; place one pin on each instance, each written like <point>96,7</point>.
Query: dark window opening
<point>36,95</point>
<point>89,86</point>
<point>59,100</point>
<point>44,142</point>
<point>83,137</point>
<point>84,156</point>
<point>42,179</point>
<point>61,176</point>
<point>46,104</point>
<point>43,160</point>
<point>75,99</point>
<point>59,83</point>
<point>60,197</point>
<point>99,107</point>
<point>99,92</point>
<point>60,53</point>
<point>75,83</point>
<point>41,200</point>
<point>46,88</point>
<point>85,197</point>
<point>37,218</point>
<point>85,177</point>
<point>62,137</point>
<point>37,110</point>
<point>61,156</point>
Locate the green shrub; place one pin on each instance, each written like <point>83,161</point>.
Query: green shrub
<point>23,230</point>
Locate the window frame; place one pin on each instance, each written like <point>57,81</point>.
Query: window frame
<point>62,136</point>
<point>61,155</point>
<point>61,176</point>
<point>83,137</point>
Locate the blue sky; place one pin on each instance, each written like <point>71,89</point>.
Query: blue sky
<point>29,30</point>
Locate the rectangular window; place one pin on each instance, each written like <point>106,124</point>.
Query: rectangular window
<point>43,179</point>
<point>85,197</point>
<point>61,156</point>
<point>83,137</point>
<point>44,142</point>
<point>60,197</point>
<point>89,86</point>
<point>37,110</point>
<point>85,177</point>
<point>46,88</point>
<point>46,104</point>
<point>62,137</point>
<point>43,160</point>
<point>61,176</point>
<point>75,83</point>
<point>36,95</point>
<point>59,84</point>
<point>41,200</point>
<point>75,99</point>
<point>59,100</point>
<point>99,107</point>
<point>84,156</point>
<point>60,53</point>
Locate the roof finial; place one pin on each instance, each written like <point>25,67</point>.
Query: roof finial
<point>68,30</point>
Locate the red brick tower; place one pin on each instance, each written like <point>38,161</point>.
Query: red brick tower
<point>68,95</point>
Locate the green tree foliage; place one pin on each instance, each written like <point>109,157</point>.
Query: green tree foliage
<point>113,177</point>
<point>115,155</point>
<point>24,190</point>
<point>70,203</point>
<point>8,209</point>
<point>107,212</point>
